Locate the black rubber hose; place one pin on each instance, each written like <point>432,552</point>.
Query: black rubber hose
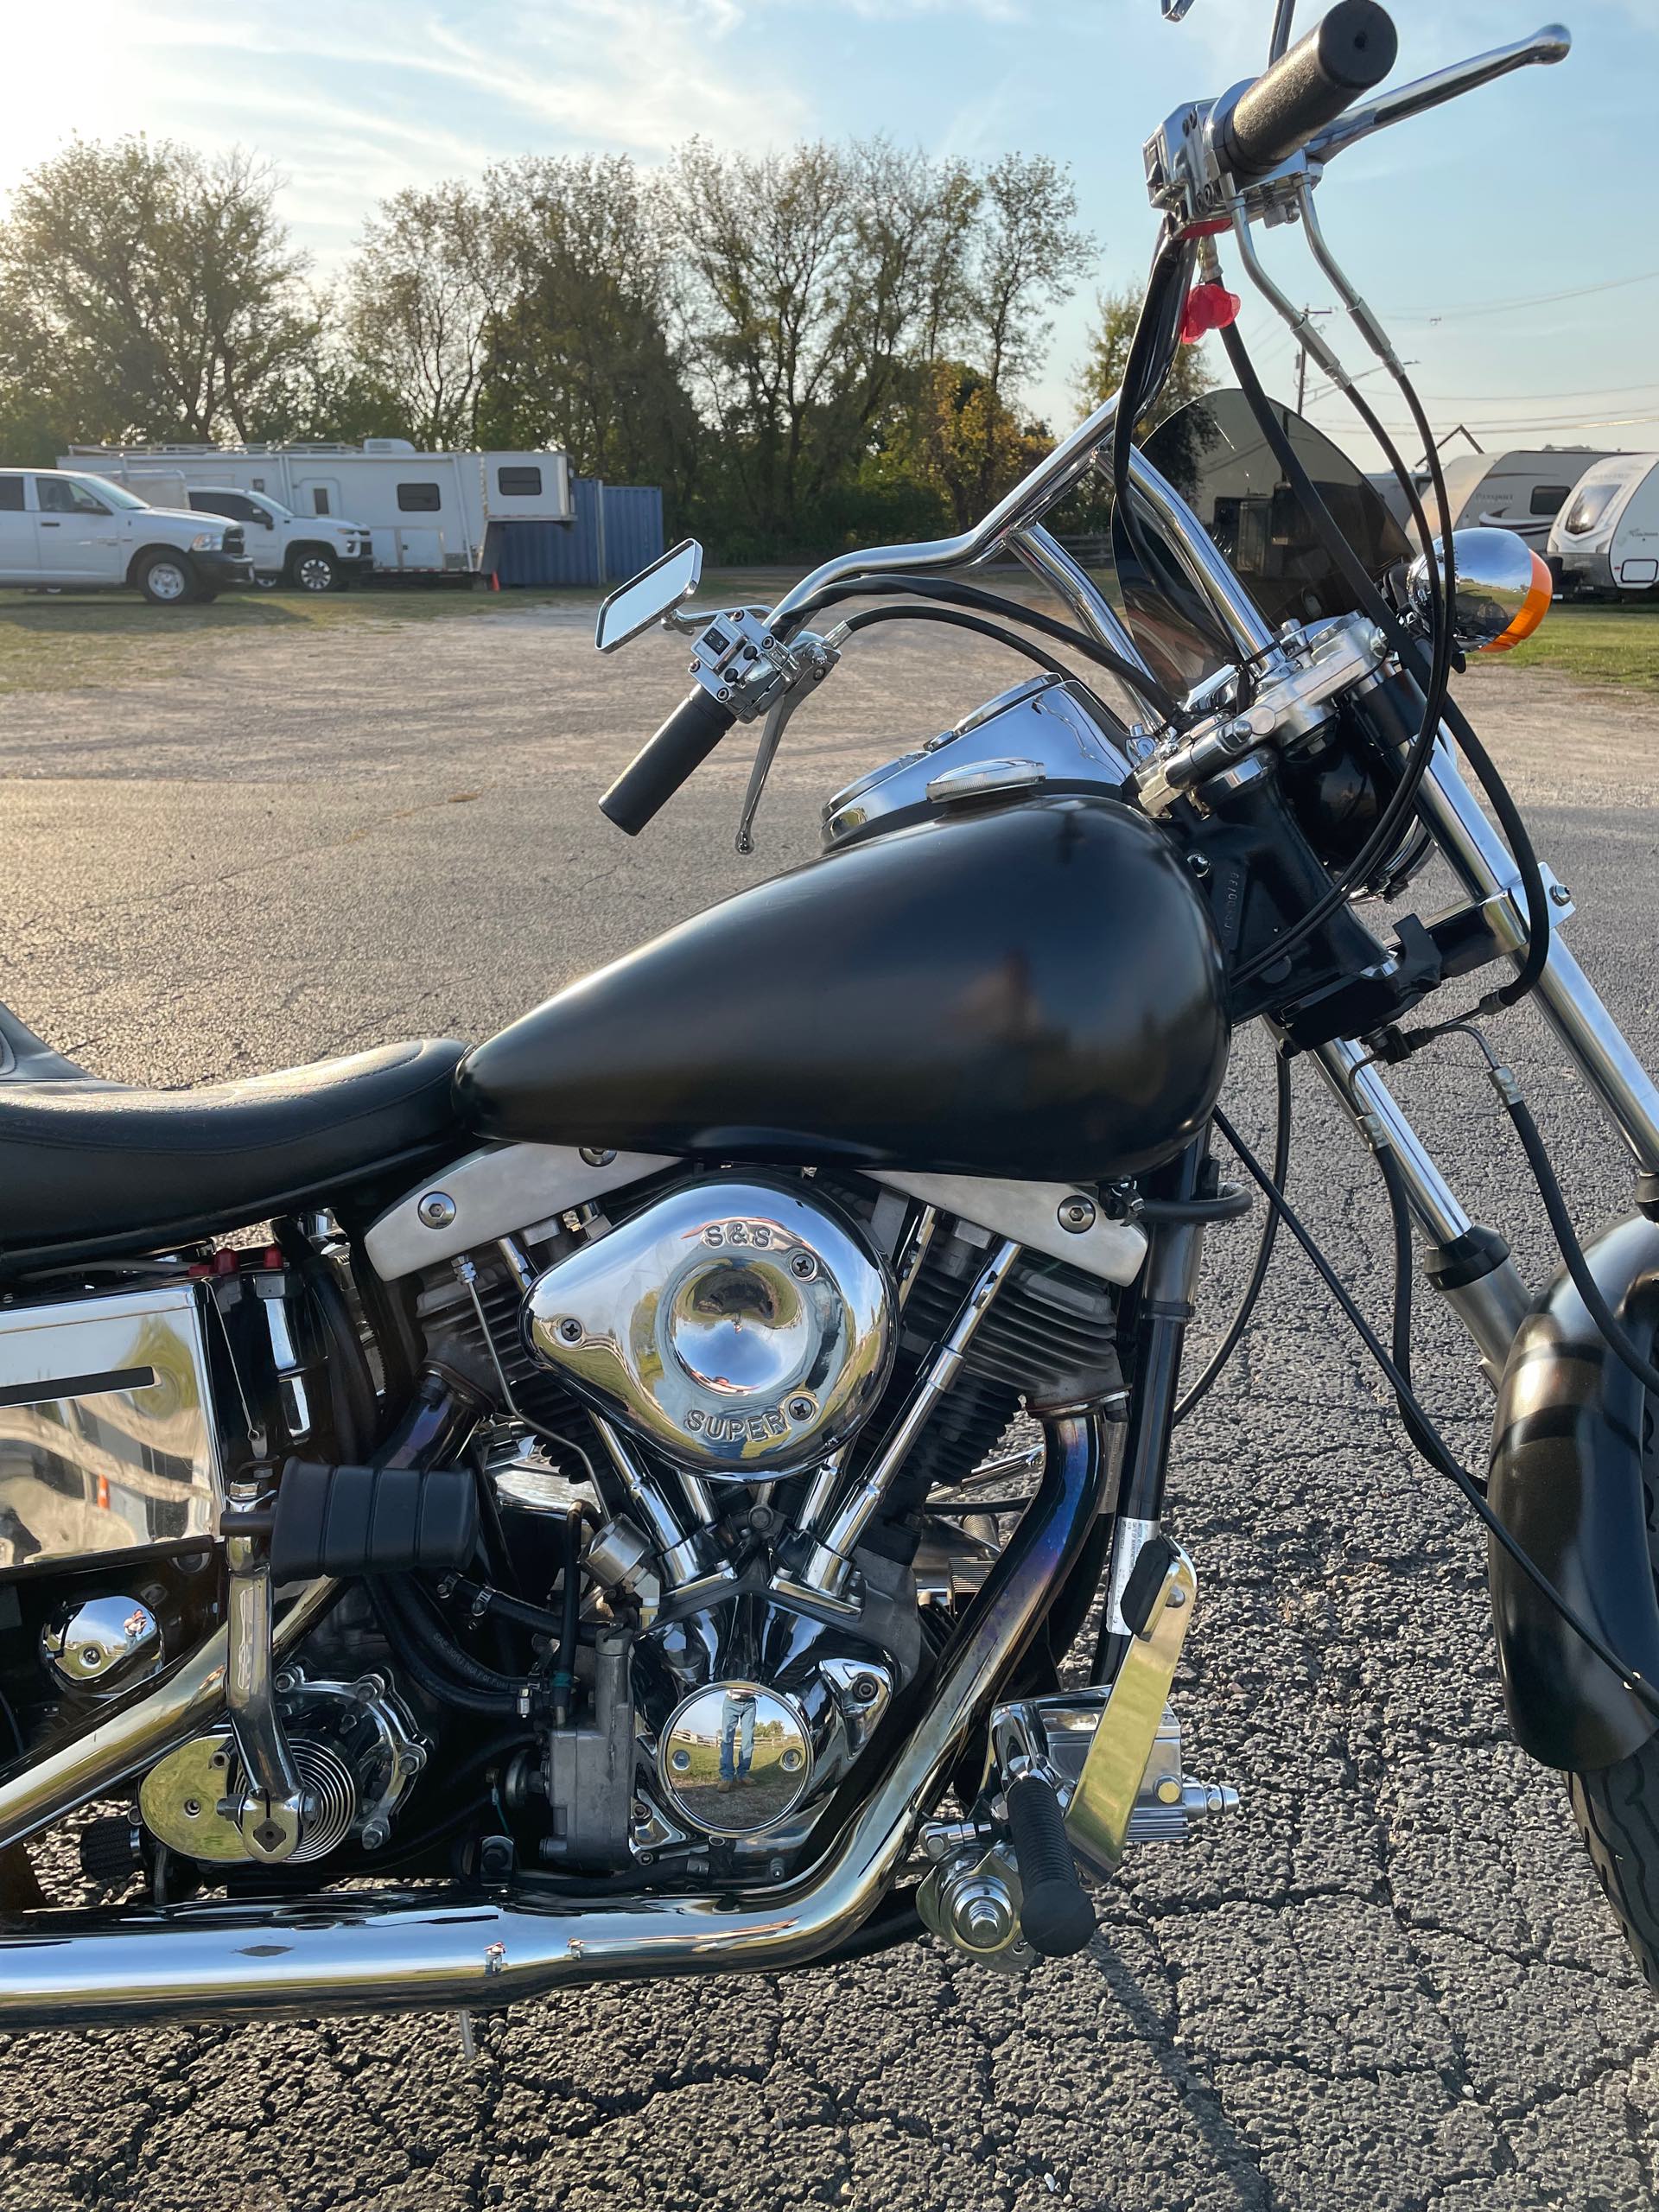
<point>1433,1446</point>
<point>1231,1203</point>
<point>1264,1251</point>
<point>948,592</point>
<point>1055,1915</point>
<point>409,1654</point>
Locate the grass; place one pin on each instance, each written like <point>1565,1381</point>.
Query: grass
<point>100,641</point>
<point>1595,644</point>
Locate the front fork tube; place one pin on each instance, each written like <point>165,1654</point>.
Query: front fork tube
<point>1468,1264</point>
<point>1163,1312</point>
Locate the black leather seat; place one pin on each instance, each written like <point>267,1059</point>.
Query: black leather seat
<point>86,1163</point>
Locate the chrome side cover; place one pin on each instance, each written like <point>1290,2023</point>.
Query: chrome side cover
<point>494,1192</point>
<point>1049,1217</point>
<point>106,1436</point>
<point>739,1325</point>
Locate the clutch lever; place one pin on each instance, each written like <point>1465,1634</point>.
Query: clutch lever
<point>815,658</point>
<point>1552,44</point>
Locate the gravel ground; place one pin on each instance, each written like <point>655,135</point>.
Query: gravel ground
<point>1388,1983</point>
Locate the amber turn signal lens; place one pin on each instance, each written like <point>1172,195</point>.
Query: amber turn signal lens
<point>1533,609</point>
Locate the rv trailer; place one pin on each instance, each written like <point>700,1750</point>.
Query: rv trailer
<point>427,513</point>
<point>1605,544</point>
<point>1523,490</point>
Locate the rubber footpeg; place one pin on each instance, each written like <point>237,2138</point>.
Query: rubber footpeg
<point>1055,1916</point>
<point>372,1520</point>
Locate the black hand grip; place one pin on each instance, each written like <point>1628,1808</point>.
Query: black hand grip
<point>664,762</point>
<point>1055,1915</point>
<point>1353,49</point>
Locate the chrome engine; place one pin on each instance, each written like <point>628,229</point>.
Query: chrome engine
<point>718,1380</point>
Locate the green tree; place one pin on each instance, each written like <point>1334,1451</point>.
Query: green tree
<point>430,282</point>
<point>812,282</point>
<point>956,440</point>
<point>1115,315</point>
<point>149,291</point>
<point>579,356</point>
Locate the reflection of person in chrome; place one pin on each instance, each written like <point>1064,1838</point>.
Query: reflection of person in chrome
<point>736,1737</point>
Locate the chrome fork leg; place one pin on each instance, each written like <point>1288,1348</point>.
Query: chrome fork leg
<point>1468,1266</point>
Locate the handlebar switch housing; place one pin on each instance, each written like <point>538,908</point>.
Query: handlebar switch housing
<point>741,662</point>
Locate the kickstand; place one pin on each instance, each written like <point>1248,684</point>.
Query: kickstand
<point>468,2040</point>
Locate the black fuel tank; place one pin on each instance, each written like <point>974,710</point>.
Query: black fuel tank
<point>1030,992</point>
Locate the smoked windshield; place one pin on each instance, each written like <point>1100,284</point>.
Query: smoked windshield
<point>1216,457</point>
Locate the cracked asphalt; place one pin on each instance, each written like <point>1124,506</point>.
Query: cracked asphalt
<point>1388,1983</point>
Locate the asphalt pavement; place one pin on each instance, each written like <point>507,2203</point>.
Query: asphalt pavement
<point>1387,1984</point>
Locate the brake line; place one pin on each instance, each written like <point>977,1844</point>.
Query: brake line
<point>1264,1251</point>
<point>1426,1438</point>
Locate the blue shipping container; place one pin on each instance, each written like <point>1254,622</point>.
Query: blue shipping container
<point>617,530</point>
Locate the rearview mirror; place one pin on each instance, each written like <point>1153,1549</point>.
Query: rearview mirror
<point>646,598</point>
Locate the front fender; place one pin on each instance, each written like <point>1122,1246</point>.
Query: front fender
<point>1567,1481</point>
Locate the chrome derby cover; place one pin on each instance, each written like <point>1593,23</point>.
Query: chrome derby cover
<point>742,1326</point>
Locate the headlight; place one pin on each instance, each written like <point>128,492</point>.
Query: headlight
<point>205,542</point>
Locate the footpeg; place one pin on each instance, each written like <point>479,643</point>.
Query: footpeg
<point>1055,1914</point>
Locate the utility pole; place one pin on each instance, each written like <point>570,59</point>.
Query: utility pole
<point>1301,358</point>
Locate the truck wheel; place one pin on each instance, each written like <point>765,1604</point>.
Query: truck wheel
<point>266,579</point>
<point>167,580</point>
<point>314,570</point>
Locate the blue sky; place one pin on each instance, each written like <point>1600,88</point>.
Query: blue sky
<point>1539,185</point>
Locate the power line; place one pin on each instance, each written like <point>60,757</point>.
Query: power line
<point>1539,300</point>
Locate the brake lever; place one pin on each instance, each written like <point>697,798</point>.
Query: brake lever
<point>817,656</point>
<point>1551,44</point>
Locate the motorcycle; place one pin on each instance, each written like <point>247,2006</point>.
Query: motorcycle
<point>678,1488</point>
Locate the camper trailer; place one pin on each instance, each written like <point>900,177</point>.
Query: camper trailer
<point>426,513</point>
<point>1606,545</point>
<point>1523,490</point>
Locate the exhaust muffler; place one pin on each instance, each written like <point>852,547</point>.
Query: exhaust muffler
<point>436,1950</point>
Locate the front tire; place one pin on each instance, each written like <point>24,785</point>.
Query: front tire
<point>1617,1807</point>
<point>314,570</point>
<point>167,580</point>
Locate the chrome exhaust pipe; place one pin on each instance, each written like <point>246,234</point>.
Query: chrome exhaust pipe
<point>390,1951</point>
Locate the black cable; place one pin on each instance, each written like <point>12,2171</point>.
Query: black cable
<point>948,592</point>
<point>1152,352</point>
<point>1247,1304</point>
<point>563,1678</point>
<point>1385,835</point>
<point>1428,1440</point>
<point>870,615</point>
<point>1567,1236</point>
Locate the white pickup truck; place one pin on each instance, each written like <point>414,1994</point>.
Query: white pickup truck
<point>60,529</point>
<point>309,552</point>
